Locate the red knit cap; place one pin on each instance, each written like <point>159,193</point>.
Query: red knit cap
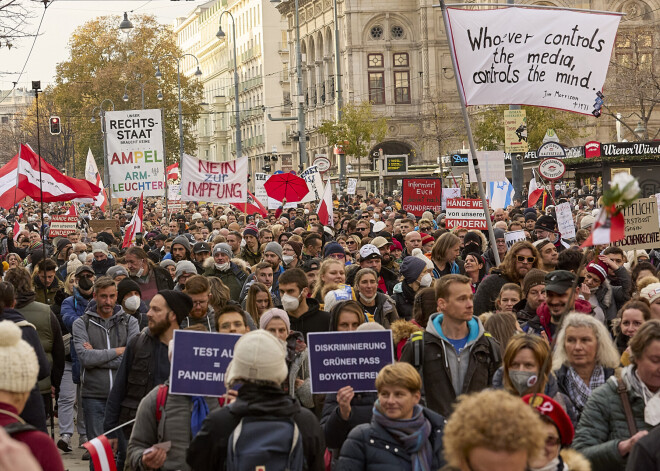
<point>426,238</point>
<point>599,269</point>
<point>555,412</point>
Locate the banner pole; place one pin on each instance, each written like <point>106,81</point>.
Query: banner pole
<point>167,189</point>
<point>466,120</point>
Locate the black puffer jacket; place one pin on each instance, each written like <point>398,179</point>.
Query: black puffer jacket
<point>370,447</point>
<point>208,450</point>
<point>335,428</point>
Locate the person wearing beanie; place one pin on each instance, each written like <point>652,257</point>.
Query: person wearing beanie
<point>251,252</point>
<point>133,397</point>
<point>117,273</point>
<point>100,337</point>
<point>61,257</point>
<point>129,297</point>
<point>18,375</point>
<point>102,258</point>
<point>180,249</point>
<point>548,253</point>
<point>530,220</point>
<point>273,254</point>
<point>170,266</point>
<point>334,250</point>
<point>416,275</point>
<point>291,254</point>
<point>184,270</point>
<point>605,298</point>
<point>229,272</point>
<point>259,364</point>
<point>651,293</point>
<point>276,321</point>
<point>533,295</point>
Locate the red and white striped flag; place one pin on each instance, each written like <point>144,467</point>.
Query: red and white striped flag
<point>73,211</point>
<point>134,226</point>
<point>173,172</point>
<point>92,175</point>
<point>534,192</point>
<point>19,211</point>
<point>101,453</point>
<point>606,229</point>
<point>17,229</point>
<point>36,177</point>
<point>326,208</point>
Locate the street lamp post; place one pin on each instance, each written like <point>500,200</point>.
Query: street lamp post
<point>142,84</point>
<point>221,35</point>
<point>159,75</point>
<point>106,164</point>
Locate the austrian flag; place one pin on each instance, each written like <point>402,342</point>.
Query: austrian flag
<point>101,453</point>
<point>134,226</point>
<point>606,229</point>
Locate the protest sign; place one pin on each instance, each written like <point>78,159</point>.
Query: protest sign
<point>199,362</point>
<point>314,182</point>
<point>514,236</point>
<point>215,182</point>
<point>565,220</point>
<point>491,166</point>
<point>62,225</point>
<point>551,58</point>
<point>449,193</point>
<point>422,194</point>
<point>641,225</point>
<point>174,192</point>
<point>515,131</point>
<point>352,186</point>
<point>135,152</point>
<point>465,213</point>
<point>338,359</point>
<point>100,225</point>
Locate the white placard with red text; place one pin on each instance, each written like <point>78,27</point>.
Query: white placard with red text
<point>465,213</point>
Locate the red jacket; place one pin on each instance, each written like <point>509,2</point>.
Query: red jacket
<point>544,314</point>
<point>40,444</point>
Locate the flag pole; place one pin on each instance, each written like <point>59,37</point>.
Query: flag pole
<point>468,128</point>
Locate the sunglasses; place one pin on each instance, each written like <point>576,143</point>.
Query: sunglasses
<point>362,229</point>
<point>351,242</point>
<point>522,259</point>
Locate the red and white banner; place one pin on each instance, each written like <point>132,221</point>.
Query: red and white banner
<point>62,225</point>
<point>421,194</point>
<point>252,206</point>
<point>465,213</point>
<point>606,230</point>
<point>134,226</point>
<point>173,172</point>
<point>35,177</point>
<point>101,453</point>
<point>10,194</point>
<point>326,207</point>
<point>92,175</point>
<point>532,56</point>
<point>534,192</point>
<point>214,182</point>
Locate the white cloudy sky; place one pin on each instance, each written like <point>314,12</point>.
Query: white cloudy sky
<point>60,20</point>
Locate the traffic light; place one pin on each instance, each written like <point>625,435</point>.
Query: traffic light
<point>598,104</point>
<point>55,127</point>
<point>266,168</point>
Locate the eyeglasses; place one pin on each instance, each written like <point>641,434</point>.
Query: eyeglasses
<point>523,259</point>
<point>199,303</point>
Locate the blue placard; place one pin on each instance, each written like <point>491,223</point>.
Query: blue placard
<point>338,359</point>
<point>199,362</point>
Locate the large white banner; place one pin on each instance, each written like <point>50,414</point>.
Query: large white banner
<point>551,58</point>
<point>135,153</point>
<point>215,182</point>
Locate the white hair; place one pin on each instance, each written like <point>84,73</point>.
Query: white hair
<point>607,354</point>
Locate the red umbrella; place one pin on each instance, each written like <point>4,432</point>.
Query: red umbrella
<point>286,185</point>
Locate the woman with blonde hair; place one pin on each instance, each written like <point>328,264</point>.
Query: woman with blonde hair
<point>444,255</point>
<point>331,271</point>
<point>258,301</point>
<point>219,293</point>
<point>584,358</point>
<point>502,326</point>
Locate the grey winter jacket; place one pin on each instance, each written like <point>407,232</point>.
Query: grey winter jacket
<point>174,426</point>
<point>99,365</point>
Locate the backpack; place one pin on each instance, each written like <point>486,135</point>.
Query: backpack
<point>259,444</point>
<point>17,427</point>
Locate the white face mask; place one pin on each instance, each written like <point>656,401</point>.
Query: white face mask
<point>426,280</point>
<point>82,257</point>
<point>364,298</point>
<point>132,303</point>
<point>287,259</point>
<point>290,303</point>
<point>243,243</point>
<point>222,266</point>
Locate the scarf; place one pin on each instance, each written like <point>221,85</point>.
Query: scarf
<point>555,465</point>
<point>580,392</point>
<point>199,412</point>
<point>412,433</point>
<point>631,378</point>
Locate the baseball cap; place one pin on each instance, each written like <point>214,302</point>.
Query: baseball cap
<point>311,265</point>
<point>559,281</point>
<point>369,251</point>
<point>380,242</point>
<point>201,247</point>
<point>84,268</point>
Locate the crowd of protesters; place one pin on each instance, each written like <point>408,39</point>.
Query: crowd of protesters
<point>539,355</point>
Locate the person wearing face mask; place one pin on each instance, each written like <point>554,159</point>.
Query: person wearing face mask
<point>416,275</point>
<point>129,297</point>
<point>291,254</point>
<point>304,313</point>
<point>605,298</point>
<point>145,273</point>
<point>184,270</point>
<point>102,258</point>
<point>526,369</point>
<point>230,274</point>
<point>378,307</point>
<point>603,434</point>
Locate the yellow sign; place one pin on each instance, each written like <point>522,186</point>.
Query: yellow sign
<point>515,131</point>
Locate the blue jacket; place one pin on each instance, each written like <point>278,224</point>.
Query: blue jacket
<point>74,307</point>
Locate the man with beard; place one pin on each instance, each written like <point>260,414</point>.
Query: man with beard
<point>145,358</point>
<point>386,258</point>
<point>370,258</point>
<point>102,258</point>
<point>61,257</point>
<point>548,253</point>
<point>201,251</point>
<point>180,249</point>
<point>199,290</point>
<point>149,276</point>
<point>273,256</point>
<point>230,274</point>
<point>234,239</point>
<point>100,337</point>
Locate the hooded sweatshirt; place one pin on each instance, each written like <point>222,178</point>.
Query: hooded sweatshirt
<point>314,320</point>
<point>458,362</point>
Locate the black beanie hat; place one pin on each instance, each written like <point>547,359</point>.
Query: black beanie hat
<point>179,302</point>
<point>546,223</point>
<point>124,287</point>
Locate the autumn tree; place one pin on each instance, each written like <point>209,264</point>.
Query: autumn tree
<point>488,125</point>
<point>14,20</point>
<point>104,64</point>
<point>357,130</point>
